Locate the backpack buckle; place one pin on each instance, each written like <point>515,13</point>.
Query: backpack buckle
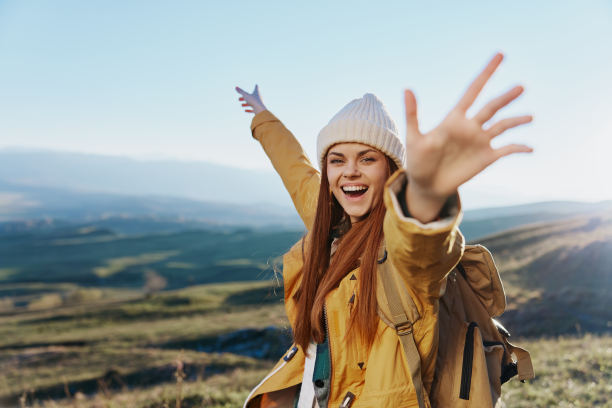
<point>403,329</point>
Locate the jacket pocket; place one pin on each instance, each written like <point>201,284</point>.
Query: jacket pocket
<point>472,387</point>
<point>468,362</point>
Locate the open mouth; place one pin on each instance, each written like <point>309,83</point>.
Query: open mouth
<point>354,191</point>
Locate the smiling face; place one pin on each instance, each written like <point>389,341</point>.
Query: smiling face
<point>357,174</point>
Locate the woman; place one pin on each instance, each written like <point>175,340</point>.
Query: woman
<point>366,207</point>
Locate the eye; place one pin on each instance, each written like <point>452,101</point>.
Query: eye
<point>368,159</point>
<point>335,161</point>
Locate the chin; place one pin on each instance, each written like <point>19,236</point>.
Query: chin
<point>357,212</point>
<point>358,215</point>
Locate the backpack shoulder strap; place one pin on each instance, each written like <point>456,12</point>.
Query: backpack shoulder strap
<point>403,327</point>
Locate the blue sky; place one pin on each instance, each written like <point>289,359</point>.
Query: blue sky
<point>153,79</point>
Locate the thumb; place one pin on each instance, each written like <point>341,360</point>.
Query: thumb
<point>412,123</point>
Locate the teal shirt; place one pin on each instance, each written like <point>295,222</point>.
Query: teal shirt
<point>321,375</point>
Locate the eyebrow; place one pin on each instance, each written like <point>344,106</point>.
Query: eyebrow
<point>361,153</point>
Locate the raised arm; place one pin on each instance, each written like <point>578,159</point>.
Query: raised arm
<point>456,150</point>
<point>300,178</point>
<point>423,209</point>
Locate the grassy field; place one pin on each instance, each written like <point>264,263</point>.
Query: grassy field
<point>80,328</point>
<point>128,342</point>
<point>570,372</point>
<point>557,275</point>
<point>130,350</point>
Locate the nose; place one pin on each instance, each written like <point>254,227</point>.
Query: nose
<point>351,170</point>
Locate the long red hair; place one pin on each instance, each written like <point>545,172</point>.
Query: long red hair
<point>357,247</point>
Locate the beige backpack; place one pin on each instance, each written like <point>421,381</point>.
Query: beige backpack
<point>474,355</point>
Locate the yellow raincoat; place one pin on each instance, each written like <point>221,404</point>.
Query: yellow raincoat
<point>422,253</point>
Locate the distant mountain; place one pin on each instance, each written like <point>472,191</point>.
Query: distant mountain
<point>30,207</point>
<point>558,275</point>
<point>23,207</point>
<point>40,188</point>
<point>110,174</point>
<point>480,223</point>
<point>544,207</point>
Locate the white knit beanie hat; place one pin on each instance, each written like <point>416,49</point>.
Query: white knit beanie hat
<point>364,120</point>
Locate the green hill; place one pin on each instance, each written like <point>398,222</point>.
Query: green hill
<point>100,257</point>
<point>557,275</point>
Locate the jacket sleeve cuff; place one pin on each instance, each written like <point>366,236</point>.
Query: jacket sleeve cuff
<point>260,118</point>
<point>449,214</point>
<point>422,253</point>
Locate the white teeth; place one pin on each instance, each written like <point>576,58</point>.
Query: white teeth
<point>354,188</point>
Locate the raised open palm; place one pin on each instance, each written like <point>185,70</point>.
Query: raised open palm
<point>459,147</point>
<point>251,101</point>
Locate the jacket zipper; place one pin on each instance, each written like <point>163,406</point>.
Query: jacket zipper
<point>468,357</point>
